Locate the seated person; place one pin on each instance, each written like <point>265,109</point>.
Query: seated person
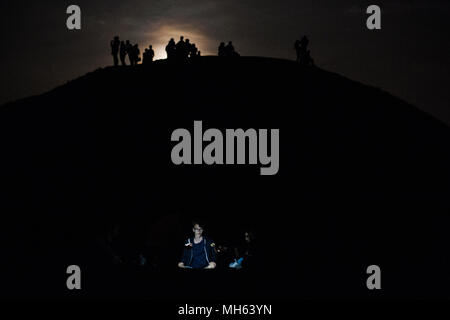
<point>199,251</point>
<point>243,251</point>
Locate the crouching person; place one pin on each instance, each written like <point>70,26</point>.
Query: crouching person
<point>198,251</point>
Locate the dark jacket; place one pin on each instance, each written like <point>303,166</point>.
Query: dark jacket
<point>209,247</point>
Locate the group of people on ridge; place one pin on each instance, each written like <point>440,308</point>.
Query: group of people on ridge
<point>184,49</point>
<point>227,50</point>
<point>123,49</point>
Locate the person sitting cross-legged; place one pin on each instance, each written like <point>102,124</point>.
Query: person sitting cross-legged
<point>198,251</point>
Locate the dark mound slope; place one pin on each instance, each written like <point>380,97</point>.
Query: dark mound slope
<point>363,175</point>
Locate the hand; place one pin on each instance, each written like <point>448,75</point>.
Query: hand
<point>211,265</point>
<point>181,265</point>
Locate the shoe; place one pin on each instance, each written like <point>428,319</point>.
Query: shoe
<point>235,265</point>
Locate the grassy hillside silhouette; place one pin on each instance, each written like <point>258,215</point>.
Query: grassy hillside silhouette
<point>364,179</point>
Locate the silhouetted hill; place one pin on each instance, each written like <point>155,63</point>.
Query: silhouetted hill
<point>364,179</point>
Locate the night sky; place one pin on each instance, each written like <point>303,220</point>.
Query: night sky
<point>409,57</point>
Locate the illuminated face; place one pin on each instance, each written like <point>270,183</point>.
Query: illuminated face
<point>197,230</point>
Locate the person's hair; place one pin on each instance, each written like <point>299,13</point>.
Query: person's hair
<point>200,224</point>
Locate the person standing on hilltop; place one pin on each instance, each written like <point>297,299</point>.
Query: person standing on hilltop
<point>128,49</point>
<point>170,49</point>
<point>308,60</point>
<point>229,50</point>
<point>187,49</point>
<point>193,51</point>
<point>304,42</point>
<point>147,56</point>
<point>115,50</point>
<point>297,49</point>
<point>180,48</point>
<point>137,54</point>
<point>132,55</point>
<point>151,53</point>
<point>123,53</point>
<point>303,54</point>
<point>221,49</point>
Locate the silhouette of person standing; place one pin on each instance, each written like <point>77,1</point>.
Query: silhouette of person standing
<point>115,50</point>
<point>221,49</point>
<point>308,60</point>
<point>129,48</point>
<point>123,53</point>
<point>193,51</point>
<point>148,55</point>
<point>187,49</point>
<point>304,42</point>
<point>170,49</point>
<point>136,53</point>
<point>297,49</point>
<point>133,54</point>
<point>229,50</point>
<point>301,48</point>
<point>180,48</point>
<point>151,53</point>
<point>145,56</point>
